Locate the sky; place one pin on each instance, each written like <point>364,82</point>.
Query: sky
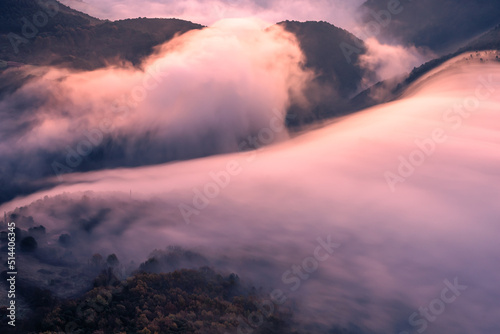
<point>407,189</point>
<point>387,59</point>
<point>338,12</point>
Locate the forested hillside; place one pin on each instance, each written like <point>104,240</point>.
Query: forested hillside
<point>73,39</point>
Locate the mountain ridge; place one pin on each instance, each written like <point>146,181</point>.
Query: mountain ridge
<point>87,43</point>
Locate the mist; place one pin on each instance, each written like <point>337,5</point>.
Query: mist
<point>171,108</point>
<point>388,57</point>
<point>402,194</point>
<point>390,61</point>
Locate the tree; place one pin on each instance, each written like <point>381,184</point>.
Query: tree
<point>28,244</point>
<point>112,260</point>
<point>65,240</point>
<point>96,260</point>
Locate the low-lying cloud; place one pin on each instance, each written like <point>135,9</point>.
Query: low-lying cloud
<point>399,247</point>
<point>389,61</point>
<point>202,93</point>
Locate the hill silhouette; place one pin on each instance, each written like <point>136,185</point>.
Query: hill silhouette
<point>448,24</point>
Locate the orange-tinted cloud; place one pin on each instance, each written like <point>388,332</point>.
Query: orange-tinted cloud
<point>397,248</point>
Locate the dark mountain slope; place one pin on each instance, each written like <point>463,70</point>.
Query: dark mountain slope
<point>76,40</point>
<point>337,78</point>
<point>320,42</point>
<point>389,90</point>
<point>73,39</point>
<point>447,24</point>
<point>13,11</point>
<point>488,41</point>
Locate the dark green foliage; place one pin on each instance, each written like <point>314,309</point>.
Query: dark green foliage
<point>320,42</point>
<point>112,260</point>
<point>337,77</point>
<point>96,260</point>
<point>171,259</point>
<point>185,301</point>
<point>12,12</point>
<point>76,40</point>
<point>37,230</point>
<point>28,244</point>
<point>65,240</point>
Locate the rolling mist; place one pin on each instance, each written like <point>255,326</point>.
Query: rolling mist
<point>64,121</point>
<point>361,223</point>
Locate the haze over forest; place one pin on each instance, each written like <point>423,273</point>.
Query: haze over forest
<point>324,166</point>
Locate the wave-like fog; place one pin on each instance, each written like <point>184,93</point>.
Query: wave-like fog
<point>408,189</point>
<point>239,71</point>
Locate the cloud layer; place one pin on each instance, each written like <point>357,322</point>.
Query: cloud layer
<point>407,189</point>
<point>390,61</point>
<point>202,93</point>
